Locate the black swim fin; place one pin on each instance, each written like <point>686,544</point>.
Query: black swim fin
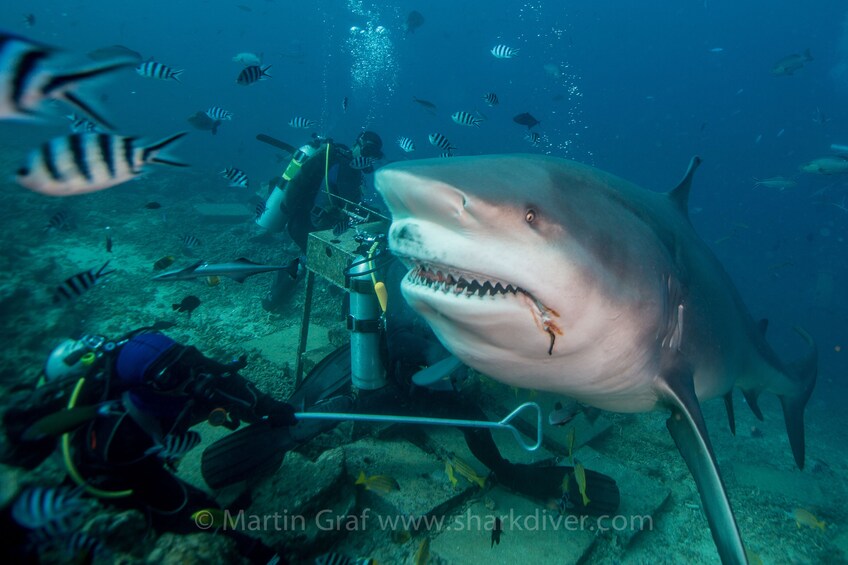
<point>545,483</point>
<point>260,448</point>
<point>274,142</point>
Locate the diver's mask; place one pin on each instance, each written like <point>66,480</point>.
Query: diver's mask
<point>370,145</point>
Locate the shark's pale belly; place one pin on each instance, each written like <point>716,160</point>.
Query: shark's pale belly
<point>496,334</point>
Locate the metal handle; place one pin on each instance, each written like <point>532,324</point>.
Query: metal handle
<point>503,424</point>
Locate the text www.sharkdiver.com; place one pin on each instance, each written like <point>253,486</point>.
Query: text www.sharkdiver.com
<point>328,520</point>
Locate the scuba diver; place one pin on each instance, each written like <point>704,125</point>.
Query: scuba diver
<point>123,410</point>
<point>323,187</point>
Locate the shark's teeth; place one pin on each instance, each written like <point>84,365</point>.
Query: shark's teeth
<point>438,278</point>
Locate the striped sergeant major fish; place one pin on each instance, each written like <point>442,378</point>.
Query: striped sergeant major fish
<point>237,177</point>
<point>533,138</point>
<point>252,73</point>
<point>361,163</point>
<point>440,141</point>
<point>55,511</point>
<point>466,119</point>
<point>83,547</point>
<point>504,52</point>
<point>406,144</point>
<point>75,286</point>
<point>27,79</point>
<point>58,222</point>
<point>302,123</point>
<point>174,446</point>
<point>218,113</point>
<point>152,69</point>
<point>189,241</point>
<point>491,99</point>
<point>87,162</point>
<point>81,124</point>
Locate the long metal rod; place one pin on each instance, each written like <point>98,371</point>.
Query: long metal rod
<point>504,424</point>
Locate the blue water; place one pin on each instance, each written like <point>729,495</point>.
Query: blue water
<point>642,87</point>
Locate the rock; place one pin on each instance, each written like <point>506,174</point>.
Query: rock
<point>304,503</point>
<point>194,549</point>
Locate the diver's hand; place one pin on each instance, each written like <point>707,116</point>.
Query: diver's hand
<point>281,414</point>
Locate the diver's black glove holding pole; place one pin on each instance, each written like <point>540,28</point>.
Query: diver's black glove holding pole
<point>244,401</point>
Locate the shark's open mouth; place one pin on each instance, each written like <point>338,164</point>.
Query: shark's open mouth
<point>451,281</point>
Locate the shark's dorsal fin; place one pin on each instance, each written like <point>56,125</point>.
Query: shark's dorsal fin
<point>679,195</point>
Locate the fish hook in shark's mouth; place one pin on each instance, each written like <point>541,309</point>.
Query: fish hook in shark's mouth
<point>451,281</point>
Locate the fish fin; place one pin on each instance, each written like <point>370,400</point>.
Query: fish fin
<point>807,54</point>
<point>75,100</point>
<point>436,372</point>
<point>168,162</point>
<point>101,272</point>
<point>687,428</point>
<point>679,195</point>
<point>751,397</point>
<point>731,417</point>
<point>65,80</point>
<point>239,278</point>
<point>805,371</point>
<point>149,151</point>
<point>176,75</point>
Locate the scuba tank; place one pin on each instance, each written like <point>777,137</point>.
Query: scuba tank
<point>364,322</point>
<point>272,218</point>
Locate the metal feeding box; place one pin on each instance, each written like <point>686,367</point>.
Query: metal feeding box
<point>329,255</point>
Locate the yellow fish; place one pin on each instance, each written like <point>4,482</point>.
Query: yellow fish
<point>808,519</point>
<point>209,518</point>
<point>449,470</point>
<point>466,471</point>
<point>570,439</point>
<point>212,280</point>
<point>381,483</point>
<point>580,476</point>
<point>422,556</point>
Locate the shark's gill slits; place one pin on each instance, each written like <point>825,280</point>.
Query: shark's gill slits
<point>458,283</point>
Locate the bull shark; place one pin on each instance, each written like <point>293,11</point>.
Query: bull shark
<point>548,274</point>
<point>238,270</point>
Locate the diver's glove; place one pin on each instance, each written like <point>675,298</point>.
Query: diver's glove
<point>280,413</point>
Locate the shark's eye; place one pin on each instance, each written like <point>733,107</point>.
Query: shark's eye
<point>530,215</point>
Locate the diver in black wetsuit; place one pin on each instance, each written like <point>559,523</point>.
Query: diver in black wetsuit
<point>128,419</point>
<point>315,199</point>
<point>319,196</point>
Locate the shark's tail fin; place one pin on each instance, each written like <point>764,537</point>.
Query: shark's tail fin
<point>804,371</point>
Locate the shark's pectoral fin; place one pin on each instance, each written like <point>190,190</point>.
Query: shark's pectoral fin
<point>687,427</point>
